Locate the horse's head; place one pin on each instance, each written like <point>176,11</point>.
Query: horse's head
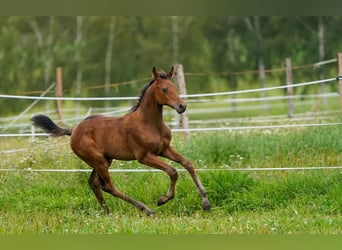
<point>166,91</point>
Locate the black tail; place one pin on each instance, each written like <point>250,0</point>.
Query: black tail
<point>49,126</point>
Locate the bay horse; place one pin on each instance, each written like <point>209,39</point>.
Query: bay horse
<point>138,135</point>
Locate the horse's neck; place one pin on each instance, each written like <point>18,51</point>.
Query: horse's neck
<point>151,112</point>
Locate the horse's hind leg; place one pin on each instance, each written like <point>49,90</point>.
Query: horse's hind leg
<point>100,177</point>
<point>109,187</point>
<point>96,185</point>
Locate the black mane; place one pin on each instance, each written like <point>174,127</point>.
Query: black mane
<point>143,91</point>
<point>162,75</point>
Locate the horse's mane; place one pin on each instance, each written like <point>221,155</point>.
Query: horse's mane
<point>162,75</point>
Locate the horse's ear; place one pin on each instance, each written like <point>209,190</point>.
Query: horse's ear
<point>155,73</point>
<point>170,74</point>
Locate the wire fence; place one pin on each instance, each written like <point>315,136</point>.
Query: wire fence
<point>191,98</point>
<point>26,129</point>
<point>195,98</point>
<point>178,169</point>
<point>245,72</point>
<point>178,130</point>
<point>184,96</point>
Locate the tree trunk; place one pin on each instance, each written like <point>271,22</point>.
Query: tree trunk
<point>175,40</point>
<point>231,57</point>
<point>46,48</point>
<point>78,41</point>
<point>109,54</point>
<point>254,27</point>
<point>321,56</point>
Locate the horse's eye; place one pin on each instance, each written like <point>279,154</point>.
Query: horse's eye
<point>164,90</point>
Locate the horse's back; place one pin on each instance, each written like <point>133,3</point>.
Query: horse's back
<point>94,117</point>
<point>103,135</point>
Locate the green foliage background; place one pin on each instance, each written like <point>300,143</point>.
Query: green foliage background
<point>32,47</point>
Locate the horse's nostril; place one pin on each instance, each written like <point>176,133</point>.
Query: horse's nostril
<point>182,108</point>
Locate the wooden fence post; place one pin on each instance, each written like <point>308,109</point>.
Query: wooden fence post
<point>182,89</point>
<point>339,56</point>
<point>59,94</point>
<point>289,82</point>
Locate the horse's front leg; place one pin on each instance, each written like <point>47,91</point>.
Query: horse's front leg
<point>173,155</point>
<point>153,161</point>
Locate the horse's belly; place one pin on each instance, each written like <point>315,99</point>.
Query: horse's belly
<point>119,149</point>
<point>120,155</point>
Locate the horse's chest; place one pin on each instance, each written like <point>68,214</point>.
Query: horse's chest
<point>158,144</point>
<point>152,139</point>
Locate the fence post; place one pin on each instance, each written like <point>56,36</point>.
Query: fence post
<point>182,89</point>
<point>289,81</point>
<point>33,132</point>
<point>339,56</point>
<point>59,94</point>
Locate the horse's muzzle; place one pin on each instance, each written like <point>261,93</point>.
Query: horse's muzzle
<point>181,108</point>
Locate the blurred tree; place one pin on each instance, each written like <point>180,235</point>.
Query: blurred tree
<point>109,56</point>
<point>98,50</point>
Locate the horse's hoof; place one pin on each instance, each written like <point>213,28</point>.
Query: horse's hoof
<point>163,199</point>
<point>206,206</point>
<point>107,211</point>
<point>150,213</point>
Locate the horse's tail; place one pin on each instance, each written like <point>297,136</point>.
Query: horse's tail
<point>49,126</point>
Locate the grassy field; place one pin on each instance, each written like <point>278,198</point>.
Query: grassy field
<point>243,202</point>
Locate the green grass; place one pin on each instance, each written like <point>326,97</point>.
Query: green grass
<point>320,146</point>
<point>251,202</point>
<point>297,203</point>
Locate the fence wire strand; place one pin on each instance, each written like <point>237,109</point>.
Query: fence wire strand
<point>184,96</point>
<point>179,170</point>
